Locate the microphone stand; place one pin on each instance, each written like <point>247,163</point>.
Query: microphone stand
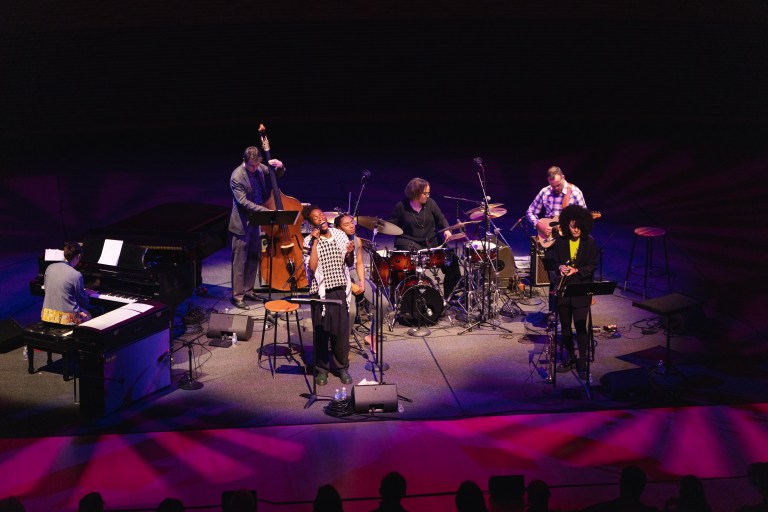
<point>363,182</point>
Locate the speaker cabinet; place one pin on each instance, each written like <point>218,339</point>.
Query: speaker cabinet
<point>10,335</point>
<point>626,383</point>
<point>506,264</point>
<point>540,274</point>
<point>375,398</point>
<point>226,323</point>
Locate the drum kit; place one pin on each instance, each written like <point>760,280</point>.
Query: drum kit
<point>409,279</point>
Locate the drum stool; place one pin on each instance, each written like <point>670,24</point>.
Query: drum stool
<point>648,234</point>
<point>276,308</point>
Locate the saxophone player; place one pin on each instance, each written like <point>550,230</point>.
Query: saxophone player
<point>576,255</point>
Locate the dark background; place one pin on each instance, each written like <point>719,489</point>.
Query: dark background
<point>657,112</point>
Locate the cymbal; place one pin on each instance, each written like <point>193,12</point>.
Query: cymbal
<point>493,213</point>
<point>460,225</point>
<point>481,208</point>
<point>330,216</point>
<point>380,225</point>
<point>367,244</point>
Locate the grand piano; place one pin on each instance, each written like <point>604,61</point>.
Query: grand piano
<point>138,271</point>
<point>160,254</point>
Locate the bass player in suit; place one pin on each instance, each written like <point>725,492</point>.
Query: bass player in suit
<point>250,187</point>
<point>576,255</point>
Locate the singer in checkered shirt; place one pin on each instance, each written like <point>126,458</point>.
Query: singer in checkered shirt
<point>326,249</point>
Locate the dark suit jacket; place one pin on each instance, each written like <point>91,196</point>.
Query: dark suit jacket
<point>586,262</point>
<point>245,200</point>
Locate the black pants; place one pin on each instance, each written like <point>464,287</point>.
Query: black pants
<point>330,334</point>
<point>578,315</point>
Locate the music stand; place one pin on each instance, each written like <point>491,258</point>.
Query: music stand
<point>589,290</point>
<point>274,218</point>
<point>666,306</point>
<point>312,396</point>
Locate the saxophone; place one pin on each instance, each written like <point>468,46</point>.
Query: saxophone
<point>563,283</point>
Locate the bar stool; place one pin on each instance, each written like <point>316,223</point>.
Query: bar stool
<point>276,308</point>
<point>648,234</point>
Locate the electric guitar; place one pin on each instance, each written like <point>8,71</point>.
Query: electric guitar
<point>553,223</point>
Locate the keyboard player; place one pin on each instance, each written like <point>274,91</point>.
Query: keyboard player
<point>66,301</point>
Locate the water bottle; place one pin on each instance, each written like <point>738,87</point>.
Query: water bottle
<point>337,395</point>
<point>25,354</point>
<point>343,393</point>
<point>234,339</point>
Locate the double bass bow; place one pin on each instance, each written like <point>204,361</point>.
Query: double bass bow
<point>284,242</point>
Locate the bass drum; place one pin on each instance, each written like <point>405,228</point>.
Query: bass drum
<point>419,302</point>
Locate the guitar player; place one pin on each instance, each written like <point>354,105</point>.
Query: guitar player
<point>552,199</point>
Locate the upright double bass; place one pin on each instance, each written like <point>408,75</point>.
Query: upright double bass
<point>284,242</point>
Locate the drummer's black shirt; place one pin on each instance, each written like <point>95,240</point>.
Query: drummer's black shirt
<point>420,230</point>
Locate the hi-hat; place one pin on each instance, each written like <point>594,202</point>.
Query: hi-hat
<point>493,213</point>
<point>380,225</point>
<point>460,225</point>
<point>482,208</point>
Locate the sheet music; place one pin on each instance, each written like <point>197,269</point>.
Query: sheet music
<point>110,253</point>
<point>107,320</point>
<point>54,255</point>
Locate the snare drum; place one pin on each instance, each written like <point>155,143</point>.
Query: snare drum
<point>480,252</point>
<point>440,257</point>
<point>401,260</point>
<point>419,302</point>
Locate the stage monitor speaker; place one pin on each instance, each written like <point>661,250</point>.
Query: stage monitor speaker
<point>10,335</point>
<point>226,323</point>
<point>630,383</point>
<point>375,398</point>
<point>540,274</point>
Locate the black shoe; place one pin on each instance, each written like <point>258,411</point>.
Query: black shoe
<point>345,377</point>
<point>251,296</point>
<point>566,365</point>
<point>321,379</point>
<point>239,304</point>
<point>584,375</point>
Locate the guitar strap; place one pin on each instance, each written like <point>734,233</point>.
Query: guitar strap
<point>567,198</point>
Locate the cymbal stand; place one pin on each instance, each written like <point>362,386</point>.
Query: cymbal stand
<point>486,265</point>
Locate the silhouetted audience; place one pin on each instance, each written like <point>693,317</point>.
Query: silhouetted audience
<point>392,491</point>
<point>91,502</point>
<point>469,498</point>
<point>507,493</point>
<point>241,500</point>
<point>538,496</point>
<point>631,487</point>
<point>691,497</point>
<point>327,500</point>
<point>11,504</point>
<point>170,505</point>
<point>758,476</point>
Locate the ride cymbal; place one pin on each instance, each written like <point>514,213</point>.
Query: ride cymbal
<point>379,225</point>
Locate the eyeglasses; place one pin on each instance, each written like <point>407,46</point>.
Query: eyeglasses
<point>425,194</point>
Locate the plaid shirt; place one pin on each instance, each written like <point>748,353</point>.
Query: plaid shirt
<point>552,204</point>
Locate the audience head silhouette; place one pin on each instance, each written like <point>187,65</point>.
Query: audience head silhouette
<point>170,505</point>
<point>327,500</point>
<point>469,498</point>
<point>538,495</point>
<point>391,490</point>
<point>11,504</point>
<point>242,500</point>
<point>91,502</point>
<point>632,483</point>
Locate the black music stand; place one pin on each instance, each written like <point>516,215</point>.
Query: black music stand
<point>589,290</point>
<point>666,306</point>
<point>274,218</point>
<point>312,396</point>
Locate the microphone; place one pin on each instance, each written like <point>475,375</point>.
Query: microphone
<point>351,237</point>
<point>366,176</point>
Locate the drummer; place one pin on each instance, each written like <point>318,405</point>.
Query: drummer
<point>420,219</point>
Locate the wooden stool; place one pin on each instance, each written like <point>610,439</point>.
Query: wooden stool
<point>276,308</point>
<point>648,234</point>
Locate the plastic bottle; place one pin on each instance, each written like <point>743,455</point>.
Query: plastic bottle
<point>234,339</point>
<point>337,395</point>
<point>25,354</point>
<point>343,393</point>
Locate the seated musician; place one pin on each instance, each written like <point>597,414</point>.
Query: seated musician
<point>576,256</point>
<point>552,199</point>
<point>326,250</point>
<point>422,223</point>
<point>66,301</point>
